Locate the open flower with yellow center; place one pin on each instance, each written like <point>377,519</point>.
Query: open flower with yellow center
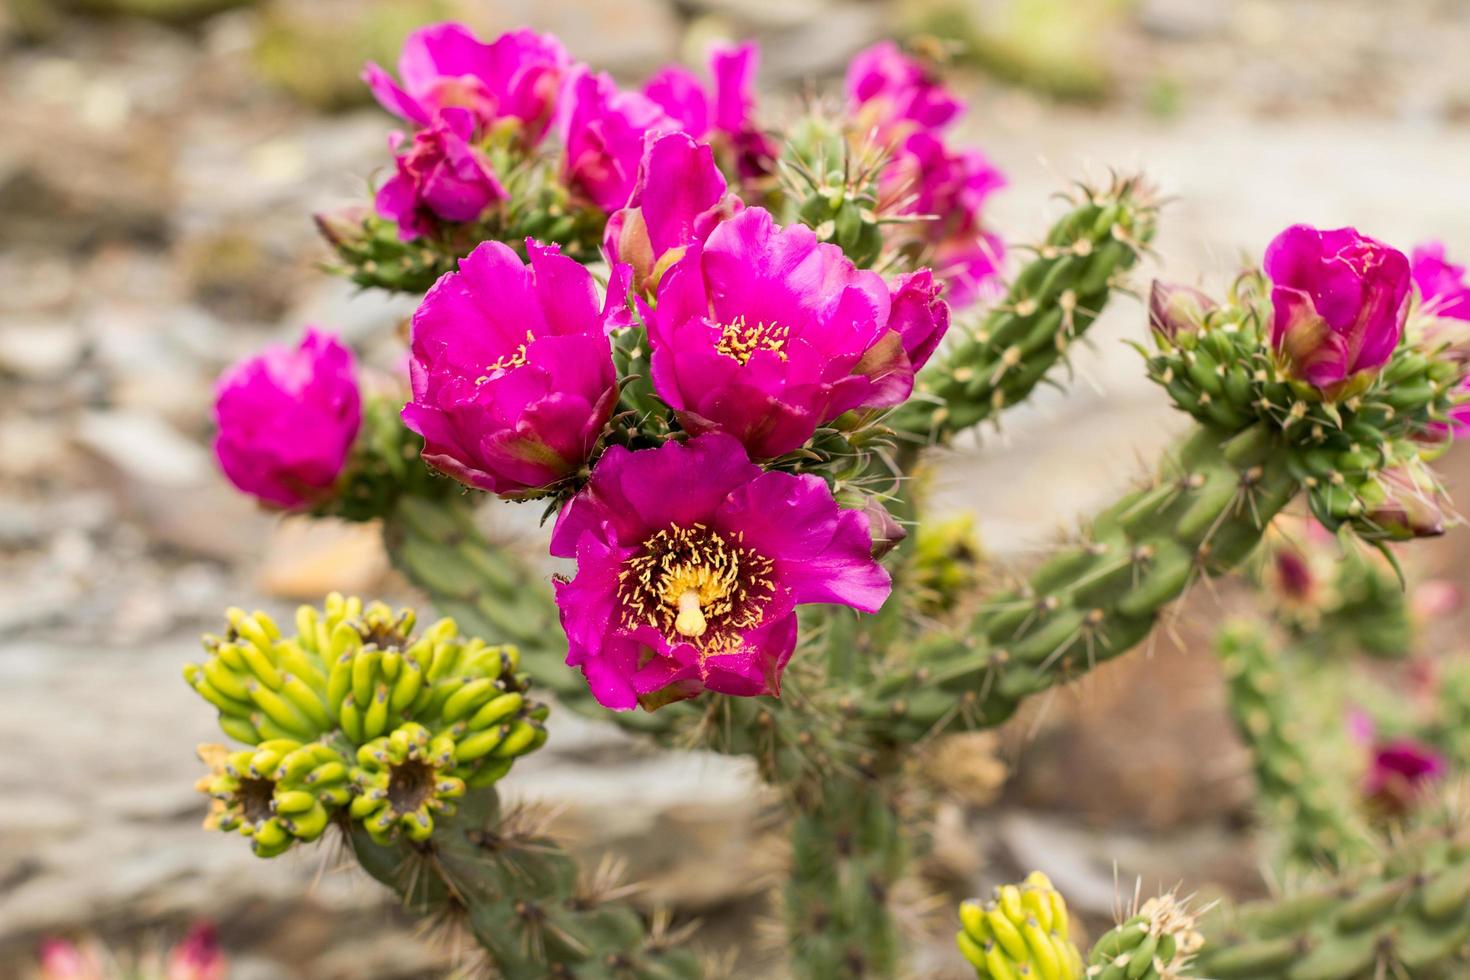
<point>691,562</point>
<point>766,333</point>
<point>512,370</point>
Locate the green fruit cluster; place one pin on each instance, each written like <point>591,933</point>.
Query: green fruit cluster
<point>408,723</point>
<point>1023,933</point>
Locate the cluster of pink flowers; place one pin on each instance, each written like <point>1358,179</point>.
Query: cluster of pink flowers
<point>461,95</point>
<point>906,109</point>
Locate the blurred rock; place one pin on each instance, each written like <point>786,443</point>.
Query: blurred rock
<point>144,447</point>
<point>36,352</point>
<point>305,558</point>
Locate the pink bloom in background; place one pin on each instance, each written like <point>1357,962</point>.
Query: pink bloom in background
<point>61,959</point>
<point>198,956</point>
<point>727,110</point>
<point>287,418</point>
<point>888,87</point>
<point>441,177</point>
<point>1340,302</point>
<point>1442,284</point>
<point>512,368</point>
<point>1399,772</point>
<point>515,76</point>
<point>691,562</point>
<point>950,189</point>
<point>765,333</point>
<point>1445,293</point>
<point>679,199</point>
<point>604,129</point>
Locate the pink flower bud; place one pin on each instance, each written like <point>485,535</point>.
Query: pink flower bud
<point>198,956</point>
<point>1399,772</point>
<point>1410,506</point>
<point>1443,287</point>
<point>1340,302</point>
<point>442,177</point>
<point>287,419</point>
<point>1174,309</point>
<point>61,959</point>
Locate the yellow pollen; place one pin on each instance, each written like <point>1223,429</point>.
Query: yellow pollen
<point>694,585</point>
<point>740,341</point>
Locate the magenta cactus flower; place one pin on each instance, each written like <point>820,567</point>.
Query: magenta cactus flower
<point>765,333</point>
<point>950,190</point>
<point>62,959</point>
<point>898,92</point>
<point>691,562</point>
<point>1399,772</point>
<point>604,129</point>
<point>512,369</point>
<point>726,113</point>
<point>679,199</point>
<point>198,956</point>
<point>1442,284</point>
<point>1339,301</point>
<point>441,177</point>
<point>516,76</point>
<point>287,419</point>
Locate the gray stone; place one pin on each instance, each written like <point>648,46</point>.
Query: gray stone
<point>144,447</point>
<point>37,352</point>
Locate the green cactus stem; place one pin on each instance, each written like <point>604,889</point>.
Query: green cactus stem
<point>847,852</point>
<point>1202,515</point>
<point>1157,942</point>
<point>1050,304</point>
<point>1312,812</point>
<point>1406,916</point>
<point>523,899</point>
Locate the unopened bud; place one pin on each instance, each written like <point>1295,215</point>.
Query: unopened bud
<point>1175,310</point>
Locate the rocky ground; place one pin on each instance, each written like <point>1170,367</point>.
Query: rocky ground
<point>155,186</point>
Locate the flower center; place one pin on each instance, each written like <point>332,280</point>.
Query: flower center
<point>514,359</point>
<point>694,585</point>
<point>740,340</point>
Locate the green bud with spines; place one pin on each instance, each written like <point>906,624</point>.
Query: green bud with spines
<point>1023,933</point>
<point>1158,942</point>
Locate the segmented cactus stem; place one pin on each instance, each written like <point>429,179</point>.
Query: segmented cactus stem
<point>847,851</point>
<point>1317,823</point>
<point>1050,304</point>
<point>524,900</point>
<point>1204,513</point>
<point>1408,917</point>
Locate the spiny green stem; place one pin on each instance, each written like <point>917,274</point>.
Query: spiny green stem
<point>1315,818</point>
<point>1409,917</point>
<point>1097,598</point>
<point>1051,303</point>
<point>847,851</point>
<point>524,900</point>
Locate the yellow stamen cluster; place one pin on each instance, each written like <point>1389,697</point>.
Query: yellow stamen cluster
<point>694,585</point>
<point>514,359</point>
<point>740,341</point>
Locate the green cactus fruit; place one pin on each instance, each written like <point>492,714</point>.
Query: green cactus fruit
<point>1022,932</point>
<point>945,568</point>
<point>830,178</point>
<point>276,793</point>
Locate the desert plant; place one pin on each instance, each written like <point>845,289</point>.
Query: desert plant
<point>728,422</point>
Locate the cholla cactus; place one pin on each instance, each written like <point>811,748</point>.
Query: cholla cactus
<point>726,424</point>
